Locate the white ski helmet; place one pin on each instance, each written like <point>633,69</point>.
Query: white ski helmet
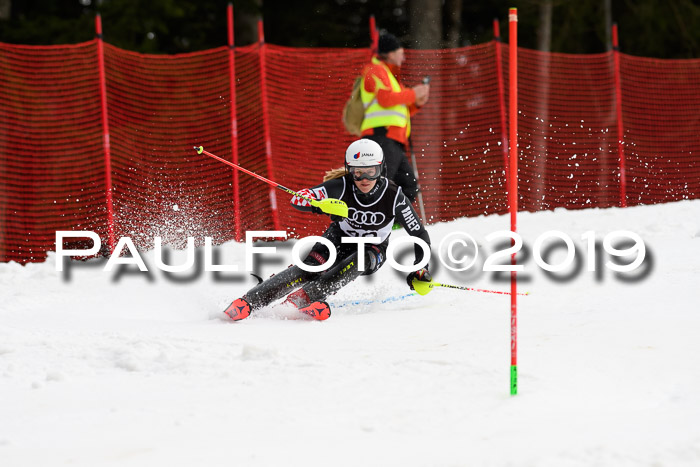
<point>367,157</point>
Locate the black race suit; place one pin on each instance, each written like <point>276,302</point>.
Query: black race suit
<point>370,215</point>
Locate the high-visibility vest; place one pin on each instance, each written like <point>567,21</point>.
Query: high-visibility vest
<point>378,116</point>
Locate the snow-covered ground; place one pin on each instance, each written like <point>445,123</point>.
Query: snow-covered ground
<point>101,368</point>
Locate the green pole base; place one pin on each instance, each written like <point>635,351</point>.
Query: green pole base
<point>513,380</point>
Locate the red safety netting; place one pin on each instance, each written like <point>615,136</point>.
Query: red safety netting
<point>307,90</point>
<point>456,139</point>
<point>52,172</point>
<point>661,120</point>
<point>567,131</point>
<point>254,195</point>
<point>457,135</point>
<point>159,107</point>
<point>288,103</point>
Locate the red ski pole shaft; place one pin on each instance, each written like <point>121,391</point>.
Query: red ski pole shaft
<point>330,206</point>
<point>475,290</point>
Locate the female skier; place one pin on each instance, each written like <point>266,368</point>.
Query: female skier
<point>374,204</point>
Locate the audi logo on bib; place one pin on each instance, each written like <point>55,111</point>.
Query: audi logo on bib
<point>365,217</point>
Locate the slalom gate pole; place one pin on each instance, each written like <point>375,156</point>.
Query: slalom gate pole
<point>328,205</point>
<point>513,190</point>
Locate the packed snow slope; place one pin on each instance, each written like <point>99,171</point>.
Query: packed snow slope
<point>126,368</point>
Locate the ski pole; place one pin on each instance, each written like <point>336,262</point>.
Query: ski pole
<point>421,206</point>
<point>422,288</point>
<point>330,206</point>
<point>448,286</point>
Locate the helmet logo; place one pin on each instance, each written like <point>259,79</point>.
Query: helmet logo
<point>364,152</point>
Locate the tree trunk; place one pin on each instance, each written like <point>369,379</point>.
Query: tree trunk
<point>453,11</point>
<point>544,44</point>
<point>426,23</point>
<point>544,32</point>
<point>5,9</point>
<point>247,24</point>
<point>607,6</point>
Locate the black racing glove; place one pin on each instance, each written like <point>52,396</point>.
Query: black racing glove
<point>421,275</point>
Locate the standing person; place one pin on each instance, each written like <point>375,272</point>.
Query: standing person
<point>374,202</point>
<point>388,109</point>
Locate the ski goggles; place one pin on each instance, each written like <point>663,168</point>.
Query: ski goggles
<point>371,172</point>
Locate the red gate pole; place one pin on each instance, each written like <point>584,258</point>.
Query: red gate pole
<point>513,191</point>
<point>234,126</point>
<point>105,132</point>
<point>501,95</point>
<point>618,108</point>
<point>266,123</point>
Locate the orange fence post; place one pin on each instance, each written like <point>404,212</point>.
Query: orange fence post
<point>105,130</point>
<point>234,126</point>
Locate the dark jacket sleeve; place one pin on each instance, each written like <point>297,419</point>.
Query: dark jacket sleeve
<point>409,220</point>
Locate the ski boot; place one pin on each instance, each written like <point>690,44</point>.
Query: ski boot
<point>301,301</point>
<point>238,310</point>
<point>317,310</point>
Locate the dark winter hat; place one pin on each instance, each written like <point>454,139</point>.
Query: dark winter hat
<point>388,43</point>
